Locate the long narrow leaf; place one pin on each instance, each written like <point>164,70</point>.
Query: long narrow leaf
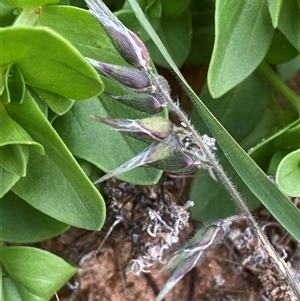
<point>55,184</point>
<point>280,206</point>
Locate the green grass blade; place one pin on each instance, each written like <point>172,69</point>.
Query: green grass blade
<point>280,206</point>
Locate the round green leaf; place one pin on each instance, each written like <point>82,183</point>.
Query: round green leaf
<point>288,174</point>
<point>243,35</point>
<point>21,223</point>
<point>34,274</point>
<point>48,61</point>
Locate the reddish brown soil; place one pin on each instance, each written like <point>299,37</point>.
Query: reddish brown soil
<point>230,271</point>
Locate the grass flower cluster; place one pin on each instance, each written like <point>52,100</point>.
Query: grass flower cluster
<point>178,149</point>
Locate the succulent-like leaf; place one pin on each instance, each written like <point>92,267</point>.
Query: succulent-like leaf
<point>40,49</point>
<point>288,174</point>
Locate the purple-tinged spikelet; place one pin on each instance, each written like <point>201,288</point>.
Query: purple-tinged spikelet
<point>147,129</point>
<point>151,103</point>
<point>180,162</point>
<point>132,78</point>
<point>129,46</point>
<point>195,250</point>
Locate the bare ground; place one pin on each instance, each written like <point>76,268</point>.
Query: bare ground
<point>237,269</point>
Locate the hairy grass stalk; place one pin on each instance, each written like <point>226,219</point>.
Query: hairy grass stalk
<point>160,151</point>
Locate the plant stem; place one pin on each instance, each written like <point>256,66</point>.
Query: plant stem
<point>279,263</point>
<point>279,85</point>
